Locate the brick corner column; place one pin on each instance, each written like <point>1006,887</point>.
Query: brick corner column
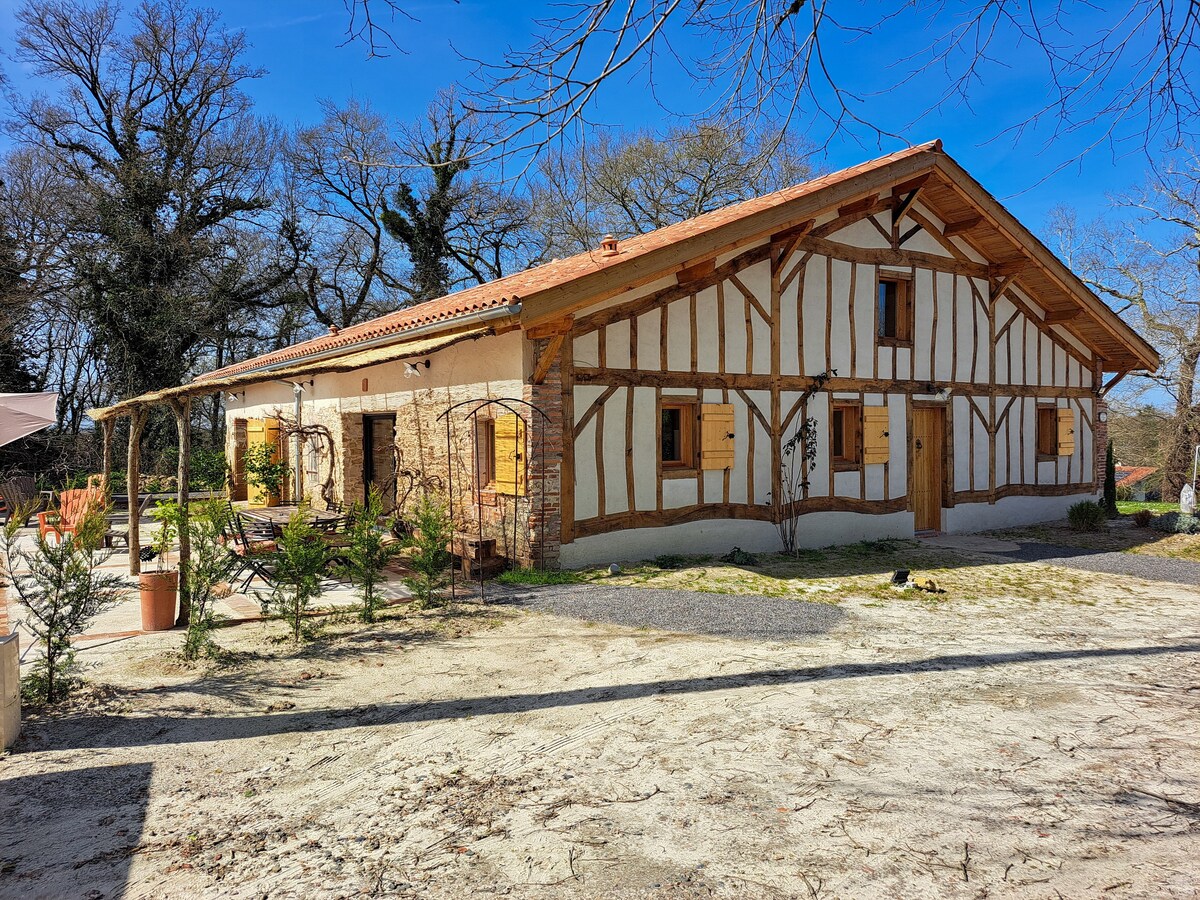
<point>1101,420</point>
<point>545,473</point>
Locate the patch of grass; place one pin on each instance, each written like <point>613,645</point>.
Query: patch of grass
<point>1129,507</point>
<point>538,576</point>
<point>861,571</point>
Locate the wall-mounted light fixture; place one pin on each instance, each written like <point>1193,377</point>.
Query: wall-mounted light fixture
<point>414,369</point>
<point>940,392</point>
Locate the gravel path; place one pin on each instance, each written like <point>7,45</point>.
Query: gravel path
<point>1137,565</point>
<point>724,615</point>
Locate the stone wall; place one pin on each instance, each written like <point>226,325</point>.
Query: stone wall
<point>492,368</point>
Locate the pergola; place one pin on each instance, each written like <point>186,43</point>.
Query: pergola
<point>179,400</point>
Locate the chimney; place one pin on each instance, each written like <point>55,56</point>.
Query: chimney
<point>608,246</point>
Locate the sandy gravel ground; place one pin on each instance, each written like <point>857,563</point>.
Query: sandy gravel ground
<point>915,749</point>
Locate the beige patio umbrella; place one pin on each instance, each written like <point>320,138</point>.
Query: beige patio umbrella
<point>22,414</point>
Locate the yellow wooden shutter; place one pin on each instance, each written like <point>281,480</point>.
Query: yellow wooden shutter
<point>262,431</point>
<point>876,443</point>
<point>509,433</point>
<point>716,436</point>
<point>1066,432</point>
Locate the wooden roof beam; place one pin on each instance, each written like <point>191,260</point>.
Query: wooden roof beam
<point>950,229</point>
<point>1112,383</point>
<point>1012,267</point>
<point>862,204</point>
<point>1058,316</point>
<point>697,272</point>
<point>907,194</point>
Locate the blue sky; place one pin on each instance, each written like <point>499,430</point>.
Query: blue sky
<point>299,43</point>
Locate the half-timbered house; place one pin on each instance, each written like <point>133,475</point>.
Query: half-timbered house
<point>878,352</point>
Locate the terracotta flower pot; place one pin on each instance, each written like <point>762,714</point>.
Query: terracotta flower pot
<point>158,591</point>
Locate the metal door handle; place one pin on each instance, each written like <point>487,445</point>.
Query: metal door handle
<point>918,443</point>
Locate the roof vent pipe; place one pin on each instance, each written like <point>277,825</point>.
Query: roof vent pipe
<point>608,246</point>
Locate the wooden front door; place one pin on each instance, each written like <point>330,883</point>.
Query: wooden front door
<point>928,467</point>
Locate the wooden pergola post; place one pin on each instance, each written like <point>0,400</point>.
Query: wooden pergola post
<point>106,434</point>
<point>183,424</point>
<point>133,466</point>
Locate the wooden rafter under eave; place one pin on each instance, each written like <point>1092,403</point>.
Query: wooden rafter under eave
<point>971,193</point>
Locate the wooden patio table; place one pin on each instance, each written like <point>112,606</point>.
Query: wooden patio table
<point>279,515</point>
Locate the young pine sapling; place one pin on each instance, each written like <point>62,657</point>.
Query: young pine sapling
<point>370,549</point>
<point>428,557</point>
<point>62,587</point>
<point>300,559</point>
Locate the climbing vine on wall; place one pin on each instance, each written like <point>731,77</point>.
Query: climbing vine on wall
<point>799,458</point>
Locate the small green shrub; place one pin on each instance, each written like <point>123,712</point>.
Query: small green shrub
<point>211,566</point>
<point>670,561</point>
<point>63,588</point>
<point>1176,523</point>
<point>169,516</point>
<point>739,557</point>
<point>1110,483</point>
<point>1142,518</point>
<point>1087,516</point>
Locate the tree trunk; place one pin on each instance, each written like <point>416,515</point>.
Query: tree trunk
<point>183,423</point>
<point>133,477</point>
<point>1184,433</point>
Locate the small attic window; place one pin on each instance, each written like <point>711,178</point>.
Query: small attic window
<point>895,311</point>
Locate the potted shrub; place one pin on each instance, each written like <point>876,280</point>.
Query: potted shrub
<point>266,473</point>
<point>158,589</point>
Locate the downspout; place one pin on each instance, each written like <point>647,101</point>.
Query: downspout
<point>298,392</point>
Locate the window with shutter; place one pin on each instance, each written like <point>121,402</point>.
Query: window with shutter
<point>895,312</point>
<point>845,435</point>
<point>1047,432</point>
<point>1066,432</point>
<point>677,436</point>
<point>876,439</point>
<point>716,436</point>
<point>509,454</point>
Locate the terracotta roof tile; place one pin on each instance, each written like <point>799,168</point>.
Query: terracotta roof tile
<point>513,288</point>
<point>1128,476</point>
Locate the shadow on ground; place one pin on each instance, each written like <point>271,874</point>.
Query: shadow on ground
<point>75,825</point>
<point>127,731</point>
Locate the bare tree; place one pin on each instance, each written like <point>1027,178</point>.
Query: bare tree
<point>635,181</point>
<point>1113,72</point>
<point>168,171</point>
<point>344,168</point>
<point>1148,268</point>
<point>458,228</point>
